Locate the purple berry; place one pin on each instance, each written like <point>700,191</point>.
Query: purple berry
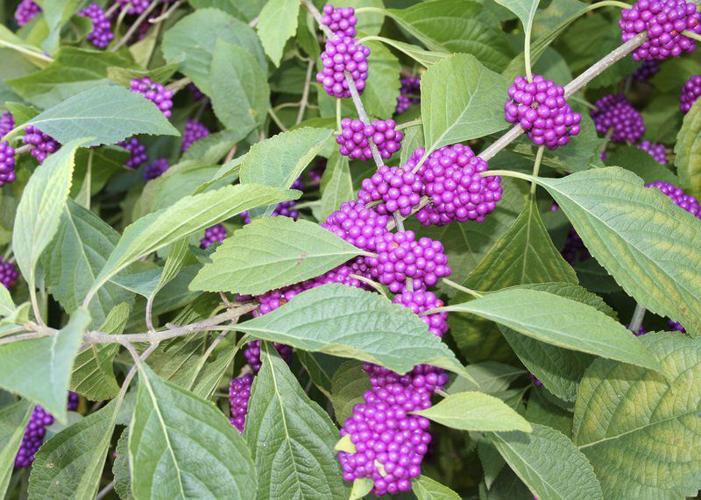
<point>646,70</point>
<point>213,235</point>
<point>343,54</point>
<point>541,110</point>
<point>194,131</point>
<point>657,151</point>
<point>400,256</point>
<point>41,144</point>
<point>354,139</point>
<point>239,395</point>
<point>252,354</point>
<point>7,123</point>
<point>574,249</point>
<point>663,20</point>
<point>73,400</point>
<point>358,225</point>
<point>8,273</point>
<point>422,377</point>
<point>101,34</point>
<point>195,91</point>
<point>156,168</point>
<point>135,6</point>
<point>340,20</point>
<point>614,112</point>
<point>154,92</point>
<point>137,152</point>
<point>458,192</point>
<point>396,190</point>
<point>676,326</point>
<point>419,302</point>
<point>678,196</point>
<point>287,209</point>
<point>26,11</point>
<point>7,164</point>
<point>409,93</point>
<point>691,91</point>
<point>316,173</point>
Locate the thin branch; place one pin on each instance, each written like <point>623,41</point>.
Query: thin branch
<point>166,14</point>
<point>27,336</point>
<point>134,27</point>
<point>317,16</point>
<point>637,320</point>
<point>277,120</point>
<point>105,491</point>
<point>178,85</point>
<point>305,93</point>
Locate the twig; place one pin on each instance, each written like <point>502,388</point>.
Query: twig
<point>305,93</point>
<point>27,336</point>
<point>105,491</point>
<point>178,85</point>
<point>461,288</point>
<point>277,120</point>
<point>637,320</point>
<point>317,16</point>
<point>134,27</point>
<point>166,14</point>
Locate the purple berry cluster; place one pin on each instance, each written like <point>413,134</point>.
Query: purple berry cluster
<point>646,70</point>
<point>390,190</point>
<point>542,111</point>
<point>409,93</point>
<point>678,196</point>
<point>340,20</point>
<point>343,55</point>
<point>239,395</point>
<point>156,168</point>
<point>154,92</point>
<point>664,21</point>
<point>8,273</point>
<point>101,34</point>
<point>657,151</point>
<point>452,179</point>
<point>354,139</point>
<point>358,225</point>
<point>42,145</point>
<point>26,11</point>
<point>213,236</point>
<point>615,113</point>
<point>194,131</point>
<point>135,6</point>
<point>691,91</point>
<point>7,164</point>
<point>137,152</point>
<point>252,354</point>
<point>7,123</point>
<point>419,302</point>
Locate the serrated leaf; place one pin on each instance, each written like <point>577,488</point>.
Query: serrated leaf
<point>642,164</point>
<point>628,229</point>
<point>240,92</point>
<point>120,467</point>
<point>214,147</point>
<point>186,216</point>
<point>541,410</point>
<point>549,463</point>
<point>277,24</point>
<point>336,185</point>
<point>7,305</point>
<point>105,114</point>
<point>560,322</point>
<point>352,323</point>
<point>641,429</point>
<point>524,9</point>
<point>348,384</point>
<point>272,252</point>
<point>39,210</point>
<point>285,156</point>
<point>426,488</point>
<point>476,97</point>
<point>383,84</point>
<point>489,376</point>
<point>290,437</point>
<point>193,38</point>
<point>688,151</point>
<point>13,420</point>
<point>173,434</point>
<point>40,369</point>
<point>475,411</point>
<point>70,464</point>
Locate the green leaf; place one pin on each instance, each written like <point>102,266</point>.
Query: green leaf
<point>240,92</point>
<point>39,210</point>
<point>361,487</point>
<point>270,253</point>
<point>193,38</point>
<point>290,437</point>
<point>369,22</point>
<point>181,446</point>
<point>559,321</point>
<point>549,463</point>
<point>641,429</point>
<point>353,323</point>
<point>475,411</point>
<point>285,156</point>
<point>455,26</point>
<point>475,94</point>
<point>525,10</point>
<point>120,467</point>
<point>79,250</point>
<point>93,374</point>
<point>188,215</point>
<point>383,84</point>
<point>70,464</point>
<point>40,369</point>
<point>56,14</point>
<point>627,228</point>
<point>426,488</point>
<point>13,421</point>
<point>541,411</point>
<point>688,151</point>
<point>277,24</point>
<point>642,164</point>
<point>348,384</point>
<point>246,9</point>
<point>7,305</point>
<point>214,147</point>
<point>489,376</point>
<point>106,114</point>
<point>336,185</point>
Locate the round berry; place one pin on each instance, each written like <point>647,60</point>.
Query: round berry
<point>156,168</point>
<point>101,34</point>
<point>194,131</point>
<point>213,235</point>
<point>135,6</point>
<point>7,164</point>
<point>8,273</point>
<point>615,113</point>
<point>195,91</point>
<point>154,92</point>
<point>676,326</point>
<point>41,144</point>
<point>7,123</point>
<point>340,20</point>
<point>421,377</point>
<point>409,93</point>
<point>354,139</point>
<point>252,354</point>
<point>137,152</point>
<point>341,55</point>
<point>657,151</point>
<point>26,11</point>
<point>418,302</point>
<point>691,91</point>
<point>678,196</point>
<point>33,437</point>
<point>239,395</point>
<point>393,189</point>
<point>646,70</point>
<point>358,225</point>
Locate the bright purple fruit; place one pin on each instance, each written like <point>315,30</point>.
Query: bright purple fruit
<point>419,302</point>
<point>239,395</point>
<point>678,196</point>
<point>616,113</point>
<point>343,55</point>
<point>691,91</point>
<point>135,6</point>
<point>213,235</point>
<point>392,189</point>
<point>7,164</point>
<point>26,11</point>
<point>542,111</point>
<point>156,168</point>
<point>41,144</point>
<point>154,92</point>
<point>252,354</point>
<point>8,273</point>
<point>7,123</point>
<point>354,139</point>
<point>664,21</point>
<point>422,377</point>
<point>358,225</point>
<point>137,152</point>
<point>340,20</point>
<point>194,131</point>
<point>409,93</point>
<point>101,34</point>
<point>657,151</point>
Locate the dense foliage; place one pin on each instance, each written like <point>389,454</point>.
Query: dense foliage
<point>280,249</point>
